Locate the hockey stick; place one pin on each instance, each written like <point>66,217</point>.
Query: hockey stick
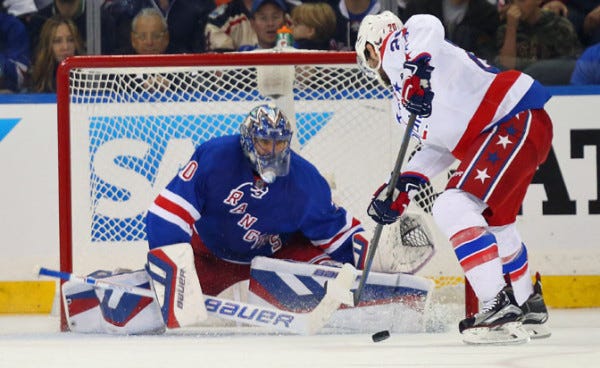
<point>102,284</point>
<point>337,291</point>
<point>389,192</point>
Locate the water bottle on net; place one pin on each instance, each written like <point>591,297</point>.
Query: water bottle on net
<point>284,38</point>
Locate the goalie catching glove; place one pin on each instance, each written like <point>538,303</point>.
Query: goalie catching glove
<point>386,210</point>
<point>416,91</point>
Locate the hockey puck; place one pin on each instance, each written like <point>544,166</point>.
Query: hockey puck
<point>380,336</point>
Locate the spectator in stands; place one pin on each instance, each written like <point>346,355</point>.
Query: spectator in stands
<point>470,24</point>
<point>14,53</point>
<point>149,33</point>
<point>555,6</point>
<point>539,43</point>
<point>20,7</point>
<point>587,68</point>
<point>59,39</point>
<point>313,26</point>
<point>228,27</point>
<point>349,14</point>
<point>150,36</point>
<point>186,20</point>
<point>70,9</point>
<point>584,14</point>
<point>25,10</point>
<point>591,22</point>
<point>267,16</point>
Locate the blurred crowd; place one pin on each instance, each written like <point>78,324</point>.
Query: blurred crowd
<point>556,41</point>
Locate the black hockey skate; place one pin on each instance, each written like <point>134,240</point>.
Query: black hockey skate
<point>535,312</point>
<point>499,322</point>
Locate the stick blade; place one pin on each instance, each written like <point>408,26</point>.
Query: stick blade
<point>36,271</point>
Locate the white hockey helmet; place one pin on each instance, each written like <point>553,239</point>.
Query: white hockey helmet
<point>373,29</point>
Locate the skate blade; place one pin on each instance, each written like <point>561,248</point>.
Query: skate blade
<point>537,331</point>
<point>511,333</point>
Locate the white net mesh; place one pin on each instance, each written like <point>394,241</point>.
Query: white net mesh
<point>132,128</point>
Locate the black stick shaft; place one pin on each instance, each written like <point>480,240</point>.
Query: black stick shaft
<point>389,192</point>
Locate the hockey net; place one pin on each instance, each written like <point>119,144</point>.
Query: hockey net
<point>128,123</point>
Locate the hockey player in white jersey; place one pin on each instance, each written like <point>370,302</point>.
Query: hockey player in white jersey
<point>495,125</point>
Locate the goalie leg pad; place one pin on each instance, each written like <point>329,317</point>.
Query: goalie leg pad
<point>126,313</point>
<point>299,287</point>
<point>176,284</point>
<point>96,310</point>
<point>360,248</point>
<point>82,308</point>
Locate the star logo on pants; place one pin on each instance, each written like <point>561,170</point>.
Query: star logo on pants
<point>482,175</point>
<point>503,141</point>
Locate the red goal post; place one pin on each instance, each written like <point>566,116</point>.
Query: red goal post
<point>126,124</point>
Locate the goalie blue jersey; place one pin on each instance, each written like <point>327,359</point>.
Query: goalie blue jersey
<point>218,202</point>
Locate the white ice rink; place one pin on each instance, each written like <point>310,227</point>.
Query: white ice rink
<point>35,341</point>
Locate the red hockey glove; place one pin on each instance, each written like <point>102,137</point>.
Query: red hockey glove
<point>416,91</point>
<point>384,210</point>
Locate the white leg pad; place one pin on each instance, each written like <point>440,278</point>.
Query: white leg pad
<point>91,309</point>
<point>82,308</point>
<point>176,284</point>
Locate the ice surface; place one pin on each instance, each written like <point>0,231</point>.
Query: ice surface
<point>35,341</point>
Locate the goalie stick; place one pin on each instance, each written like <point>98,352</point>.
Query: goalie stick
<point>389,192</point>
<point>337,291</point>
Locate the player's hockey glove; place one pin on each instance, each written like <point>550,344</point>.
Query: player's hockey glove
<point>416,91</point>
<point>384,210</point>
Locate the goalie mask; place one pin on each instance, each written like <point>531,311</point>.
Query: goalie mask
<point>373,29</point>
<point>265,136</point>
